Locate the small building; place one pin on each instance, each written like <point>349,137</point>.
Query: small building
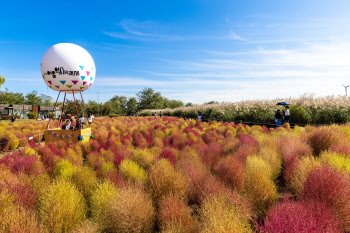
<point>16,109</point>
<point>45,110</point>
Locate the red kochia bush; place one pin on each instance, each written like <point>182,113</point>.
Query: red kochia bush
<point>244,151</point>
<point>209,137</point>
<point>294,217</point>
<point>341,149</point>
<point>209,154</point>
<point>246,139</point>
<point>325,137</point>
<point>18,163</point>
<point>331,187</point>
<point>168,154</point>
<point>174,215</point>
<point>290,165</point>
<point>231,171</point>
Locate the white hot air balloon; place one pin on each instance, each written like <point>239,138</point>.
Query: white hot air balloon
<point>68,68</point>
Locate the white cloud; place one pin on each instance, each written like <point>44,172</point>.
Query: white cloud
<point>234,36</point>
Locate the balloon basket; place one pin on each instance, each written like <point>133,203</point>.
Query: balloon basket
<point>68,136</point>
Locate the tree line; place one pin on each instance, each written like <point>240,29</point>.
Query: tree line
<point>121,105</point>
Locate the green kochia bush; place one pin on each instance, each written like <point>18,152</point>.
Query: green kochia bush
<point>219,214</point>
<point>130,210</point>
<point>100,197</point>
<point>61,207</point>
<point>132,171</point>
<point>64,169</point>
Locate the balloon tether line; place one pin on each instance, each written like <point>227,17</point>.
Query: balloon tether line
<point>54,107</point>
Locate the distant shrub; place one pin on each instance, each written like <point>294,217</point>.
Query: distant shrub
<point>15,218</point>
<point>231,171</point>
<point>61,207</point>
<point>132,171</point>
<point>331,187</point>
<point>325,137</point>
<point>218,214</point>
<point>174,215</point>
<point>145,113</point>
<point>64,169</point>
<point>99,200</point>
<point>164,180</point>
<point>32,115</point>
<point>130,210</point>
<point>113,115</point>
<point>295,217</point>
<point>258,186</point>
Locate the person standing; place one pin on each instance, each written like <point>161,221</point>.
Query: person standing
<point>160,114</point>
<point>82,121</point>
<point>90,118</point>
<point>278,118</point>
<point>200,116</point>
<point>286,114</point>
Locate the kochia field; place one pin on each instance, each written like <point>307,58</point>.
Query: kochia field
<point>147,174</point>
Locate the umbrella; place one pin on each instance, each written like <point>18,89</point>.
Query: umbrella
<point>283,103</point>
<point>68,114</point>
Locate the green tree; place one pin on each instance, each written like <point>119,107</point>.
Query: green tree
<point>7,97</point>
<point>149,99</point>
<point>131,105</point>
<point>2,80</point>
<point>92,107</point>
<point>46,100</point>
<point>175,103</point>
<point>119,104</point>
<point>33,99</point>
<point>106,109</point>
<point>69,108</point>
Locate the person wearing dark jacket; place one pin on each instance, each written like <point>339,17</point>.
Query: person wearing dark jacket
<point>67,126</point>
<point>278,118</point>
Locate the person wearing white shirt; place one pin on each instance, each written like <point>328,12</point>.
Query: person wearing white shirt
<point>90,118</point>
<point>286,114</point>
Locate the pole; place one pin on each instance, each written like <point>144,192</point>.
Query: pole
<point>47,127</point>
<point>75,102</point>
<point>98,104</point>
<point>64,100</point>
<point>87,117</point>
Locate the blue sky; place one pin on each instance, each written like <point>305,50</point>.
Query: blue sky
<point>194,51</point>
